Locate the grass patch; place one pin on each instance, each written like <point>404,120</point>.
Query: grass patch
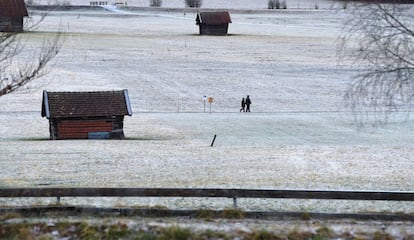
<point>10,215</point>
<point>87,232</point>
<point>18,231</point>
<point>297,234</point>
<point>117,231</point>
<point>205,214</point>
<point>321,234</point>
<point>175,233</point>
<point>324,233</point>
<point>142,235</point>
<point>379,235</point>
<point>210,234</point>
<point>232,213</point>
<point>264,235</point>
<point>104,230</point>
<point>305,216</point>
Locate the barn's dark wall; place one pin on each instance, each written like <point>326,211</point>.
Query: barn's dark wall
<point>82,128</point>
<point>218,30</point>
<point>11,24</point>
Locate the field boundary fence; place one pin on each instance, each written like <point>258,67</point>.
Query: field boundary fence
<point>233,194</point>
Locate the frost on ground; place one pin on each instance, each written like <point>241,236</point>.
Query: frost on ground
<point>297,136</point>
<point>184,228</point>
<point>214,4</point>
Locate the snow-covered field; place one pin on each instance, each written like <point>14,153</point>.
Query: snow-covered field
<point>227,4</point>
<point>296,137</point>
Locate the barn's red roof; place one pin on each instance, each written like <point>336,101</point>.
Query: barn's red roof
<point>85,104</point>
<point>13,8</point>
<point>213,18</point>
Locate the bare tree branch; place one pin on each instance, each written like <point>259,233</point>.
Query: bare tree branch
<point>15,73</point>
<point>379,38</point>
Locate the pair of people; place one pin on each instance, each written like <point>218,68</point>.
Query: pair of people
<point>245,104</point>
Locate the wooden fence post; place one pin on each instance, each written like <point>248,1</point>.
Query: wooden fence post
<point>214,139</point>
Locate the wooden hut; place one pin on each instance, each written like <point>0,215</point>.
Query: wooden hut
<point>12,13</point>
<point>86,115</point>
<point>213,23</point>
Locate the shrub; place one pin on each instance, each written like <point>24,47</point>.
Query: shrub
<point>273,4</point>
<point>276,4</point>
<point>324,233</point>
<point>205,214</point>
<point>193,3</point>
<point>299,235</point>
<point>175,233</point>
<point>270,4</point>
<point>155,3</point>
<point>283,5</point>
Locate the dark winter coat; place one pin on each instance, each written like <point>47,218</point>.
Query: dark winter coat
<point>248,101</point>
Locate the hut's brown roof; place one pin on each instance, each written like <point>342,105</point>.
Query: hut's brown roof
<point>13,8</point>
<point>213,18</point>
<point>85,104</point>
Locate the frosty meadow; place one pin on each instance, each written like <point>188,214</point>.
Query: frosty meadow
<point>296,136</point>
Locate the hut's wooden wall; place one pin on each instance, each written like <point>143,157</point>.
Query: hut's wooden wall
<point>11,24</point>
<point>217,30</point>
<point>81,128</point>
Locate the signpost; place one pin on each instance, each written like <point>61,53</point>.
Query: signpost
<point>210,100</point>
<point>204,100</point>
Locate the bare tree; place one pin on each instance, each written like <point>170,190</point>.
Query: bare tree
<point>380,40</point>
<point>155,3</point>
<point>273,4</point>
<point>18,65</point>
<point>193,3</point>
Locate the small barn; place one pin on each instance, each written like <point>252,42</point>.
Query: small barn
<point>213,23</point>
<point>86,115</point>
<point>12,13</point>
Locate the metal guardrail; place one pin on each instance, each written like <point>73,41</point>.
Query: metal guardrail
<point>206,192</point>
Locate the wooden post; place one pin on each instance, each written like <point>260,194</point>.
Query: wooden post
<point>204,100</point>
<point>214,139</point>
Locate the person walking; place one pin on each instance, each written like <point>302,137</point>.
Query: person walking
<point>243,105</point>
<point>248,102</point>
